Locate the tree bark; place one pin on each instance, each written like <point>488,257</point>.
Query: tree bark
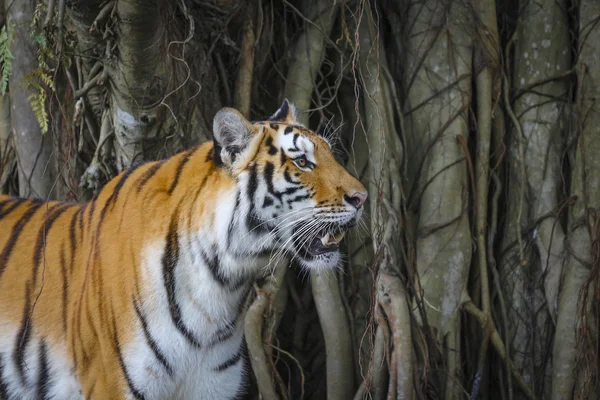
<point>437,81</point>
<point>308,55</point>
<point>385,155</point>
<point>438,96</point>
<point>36,162</point>
<point>584,185</point>
<point>541,54</point>
<point>138,81</point>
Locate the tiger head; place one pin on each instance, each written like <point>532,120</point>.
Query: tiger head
<point>298,200</point>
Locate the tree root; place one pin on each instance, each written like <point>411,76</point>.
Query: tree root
<point>392,299</point>
<point>375,380</point>
<point>253,328</point>
<point>496,340</point>
<point>338,343</point>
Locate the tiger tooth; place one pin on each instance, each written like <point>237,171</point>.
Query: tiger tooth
<point>338,238</point>
<point>325,240</point>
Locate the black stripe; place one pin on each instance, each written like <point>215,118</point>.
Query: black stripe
<point>43,376</point>
<point>113,197</point>
<point>228,329</point>
<point>253,223</point>
<point>247,384</point>
<point>268,201</point>
<point>15,203</point>
<point>23,337</point>
<point>269,170</point>
<point>288,129</point>
<point>238,199</point>
<point>115,193</point>
<point>184,161</point>
<point>148,175</point>
<point>73,236</point>
<point>210,154</point>
<point>132,388</point>
<point>15,233</point>
<point>294,140</point>
<point>223,333</point>
<point>3,384</point>
<point>298,198</point>
<point>90,392</point>
<point>151,342</point>
<point>51,216</point>
<point>283,157</point>
<point>92,206</point>
<point>213,267</point>
<point>217,153</point>
<point>81,221</point>
<point>232,361</point>
<point>65,287</point>
<point>202,184</point>
<point>269,144</point>
<point>169,262</point>
<point>282,113</point>
<point>252,182</point>
<point>288,177</point>
<point>274,126</point>
<point>290,190</point>
<point>110,201</point>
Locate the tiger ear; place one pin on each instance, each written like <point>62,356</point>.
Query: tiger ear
<point>286,113</point>
<point>232,133</point>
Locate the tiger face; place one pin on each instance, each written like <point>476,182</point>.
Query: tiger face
<point>301,200</point>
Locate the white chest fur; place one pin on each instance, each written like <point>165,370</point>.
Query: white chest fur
<point>188,336</point>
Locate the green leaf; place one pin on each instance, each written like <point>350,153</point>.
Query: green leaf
<point>6,57</point>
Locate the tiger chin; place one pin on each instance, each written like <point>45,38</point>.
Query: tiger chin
<point>140,293</point>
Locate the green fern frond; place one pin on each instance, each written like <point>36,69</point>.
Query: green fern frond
<point>38,13</point>
<point>38,105</point>
<point>6,57</point>
<point>39,81</point>
<point>51,55</point>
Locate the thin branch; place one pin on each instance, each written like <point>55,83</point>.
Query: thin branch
<point>97,80</point>
<point>243,84</point>
<point>520,140</point>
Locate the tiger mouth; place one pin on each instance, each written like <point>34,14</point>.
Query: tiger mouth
<point>327,243</point>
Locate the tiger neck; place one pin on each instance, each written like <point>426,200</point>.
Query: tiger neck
<point>222,258</point>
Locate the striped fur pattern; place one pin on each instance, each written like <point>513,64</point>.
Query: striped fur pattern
<point>141,293</point>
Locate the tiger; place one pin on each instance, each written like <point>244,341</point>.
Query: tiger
<point>141,292</point>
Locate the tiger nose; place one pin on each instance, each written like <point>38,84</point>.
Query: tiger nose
<point>357,199</point>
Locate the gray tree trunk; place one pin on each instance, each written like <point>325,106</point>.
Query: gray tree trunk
<point>138,82</point>
<point>532,265</point>
<point>36,162</point>
<point>586,186</point>
<point>437,79</point>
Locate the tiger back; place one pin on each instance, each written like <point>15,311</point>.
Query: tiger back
<point>140,293</point>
